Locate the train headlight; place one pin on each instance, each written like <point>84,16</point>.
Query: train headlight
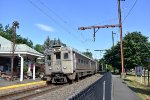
<point>65,67</point>
<point>50,68</point>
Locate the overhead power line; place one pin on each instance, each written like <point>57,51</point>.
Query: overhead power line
<point>43,4</point>
<point>60,18</point>
<point>111,26</point>
<point>130,10</point>
<point>42,11</point>
<point>51,18</point>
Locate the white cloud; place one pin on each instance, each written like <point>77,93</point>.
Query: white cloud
<point>45,27</point>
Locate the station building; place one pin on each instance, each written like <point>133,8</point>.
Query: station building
<point>24,59</point>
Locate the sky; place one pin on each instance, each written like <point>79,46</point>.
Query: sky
<point>61,19</point>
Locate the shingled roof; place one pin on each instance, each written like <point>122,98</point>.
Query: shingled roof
<point>6,49</point>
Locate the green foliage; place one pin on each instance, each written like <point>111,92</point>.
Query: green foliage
<point>136,50</point>
<point>48,43</point>
<point>7,33</point>
<point>88,54</point>
<point>38,48</point>
<point>109,68</point>
<point>112,56</point>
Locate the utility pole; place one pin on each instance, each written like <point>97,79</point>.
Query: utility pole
<point>15,25</point>
<point>111,26</point>
<point>121,42</point>
<point>113,38</point>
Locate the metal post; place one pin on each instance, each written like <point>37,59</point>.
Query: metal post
<point>104,90</point>
<point>33,74</point>
<point>21,68</point>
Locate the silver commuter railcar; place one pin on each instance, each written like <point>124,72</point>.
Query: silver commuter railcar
<point>65,64</point>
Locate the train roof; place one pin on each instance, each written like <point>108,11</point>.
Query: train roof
<point>73,49</point>
<point>79,52</point>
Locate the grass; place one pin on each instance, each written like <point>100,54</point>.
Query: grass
<point>141,89</point>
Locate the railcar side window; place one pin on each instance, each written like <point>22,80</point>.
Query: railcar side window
<point>79,60</point>
<point>48,57</point>
<point>87,62</point>
<point>66,56</point>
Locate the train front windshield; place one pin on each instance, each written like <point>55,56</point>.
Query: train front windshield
<point>58,58</point>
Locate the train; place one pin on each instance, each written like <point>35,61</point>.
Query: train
<point>66,64</point>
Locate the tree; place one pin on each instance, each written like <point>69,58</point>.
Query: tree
<point>38,48</point>
<point>1,28</point>
<point>47,43</point>
<point>88,54</point>
<point>50,43</point>
<point>7,33</point>
<point>112,57</point>
<point>60,43</point>
<point>136,50</point>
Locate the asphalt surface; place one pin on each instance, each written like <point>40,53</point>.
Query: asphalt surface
<point>120,90</point>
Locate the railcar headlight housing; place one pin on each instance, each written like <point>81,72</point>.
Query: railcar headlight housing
<point>65,67</point>
<point>50,68</point>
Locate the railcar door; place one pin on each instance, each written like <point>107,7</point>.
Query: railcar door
<point>57,62</point>
<point>67,62</point>
<point>74,61</point>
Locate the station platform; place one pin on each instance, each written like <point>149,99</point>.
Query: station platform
<point>10,86</point>
<point>121,91</point>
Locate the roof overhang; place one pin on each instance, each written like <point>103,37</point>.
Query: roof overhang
<point>21,53</point>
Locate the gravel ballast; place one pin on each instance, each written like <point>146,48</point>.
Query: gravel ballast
<point>68,91</point>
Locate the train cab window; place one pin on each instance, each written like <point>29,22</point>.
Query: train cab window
<point>48,57</point>
<point>66,56</point>
<point>58,56</point>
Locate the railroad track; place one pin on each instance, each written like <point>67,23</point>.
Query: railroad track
<point>26,94</point>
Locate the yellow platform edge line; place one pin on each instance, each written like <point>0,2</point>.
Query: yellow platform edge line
<point>21,85</point>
